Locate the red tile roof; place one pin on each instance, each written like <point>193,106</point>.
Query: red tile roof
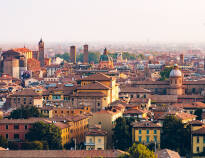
<point>166,153</point>
<point>98,77</point>
<point>146,124</point>
<point>60,153</point>
<point>94,86</point>
<point>200,131</point>
<point>22,50</point>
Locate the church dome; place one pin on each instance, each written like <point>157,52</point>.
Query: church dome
<point>105,56</point>
<point>175,72</point>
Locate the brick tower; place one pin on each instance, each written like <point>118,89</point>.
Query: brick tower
<point>41,52</point>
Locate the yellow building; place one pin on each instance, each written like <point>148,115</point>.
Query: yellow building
<point>96,139</point>
<point>78,126</point>
<point>198,137</point>
<point>64,131</point>
<point>25,51</point>
<point>146,132</point>
<point>96,91</point>
<point>54,112</point>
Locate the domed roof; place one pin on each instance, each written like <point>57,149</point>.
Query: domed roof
<point>175,72</point>
<point>105,56</point>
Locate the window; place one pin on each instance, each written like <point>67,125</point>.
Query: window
<point>155,138</point>
<point>147,137</point>
<point>140,131</point>
<point>90,140</point>
<point>197,139</point>
<point>99,123</point>
<point>155,131</point>
<point>147,131</point>
<point>197,149</point>
<point>144,95</point>
<point>7,136</point>
<point>18,100</point>
<point>16,136</point>
<point>138,95</point>
<point>131,96</point>
<point>99,140</point>
<point>98,104</point>
<point>204,139</point>
<point>16,126</point>
<point>7,126</point>
<point>26,127</point>
<point>140,138</point>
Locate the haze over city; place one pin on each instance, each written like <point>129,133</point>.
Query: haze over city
<point>106,20</point>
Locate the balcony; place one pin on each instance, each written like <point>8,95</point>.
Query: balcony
<point>90,144</point>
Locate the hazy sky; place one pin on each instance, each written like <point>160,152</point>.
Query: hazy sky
<point>102,20</point>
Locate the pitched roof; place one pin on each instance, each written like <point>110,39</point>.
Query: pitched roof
<point>60,153</point>
<point>146,124</point>
<point>26,92</point>
<point>200,131</point>
<point>96,132</point>
<point>166,153</point>
<point>190,105</point>
<point>94,86</point>
<point>135,111</point>
<point>98,77</point>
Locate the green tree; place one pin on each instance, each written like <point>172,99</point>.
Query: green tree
<point>175,135</point>
<point>3,142</point>
<point>45,132</point>
<point>141,56</point>
<point>198,113</point>
<point>93,57</point>
<point>122,134</point>
<point>35,145</point>
<point>25,112</point>
<point>64,56</point>
<point>165,73</point>
<point>139,151</point>
<point>128,56</point>
<point>70,145</point>
<point>80,57</point>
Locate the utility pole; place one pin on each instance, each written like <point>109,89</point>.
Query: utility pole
<point>75,143</point>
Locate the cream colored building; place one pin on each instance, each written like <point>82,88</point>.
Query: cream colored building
<point>96,91</point>
<point>96,139</point>
<point>106,118</point>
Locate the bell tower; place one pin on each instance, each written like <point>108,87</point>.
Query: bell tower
<point>41,52</point>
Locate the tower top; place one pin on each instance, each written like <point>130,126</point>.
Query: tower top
<point>105,51</point>
<point>41,41</point>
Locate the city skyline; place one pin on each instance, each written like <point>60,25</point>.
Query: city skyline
<point>90,20</point>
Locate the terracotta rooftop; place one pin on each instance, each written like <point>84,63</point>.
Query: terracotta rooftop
<point>146,124</point>
<point>96,131</point>
<point>21,121</point>
<point>26,92</point>
<point>196,122</point>
<point>22,50</point>
<point>98,77</point>
<point>190,105</point>
<point>94,86</point>
<point>179,115</point>
<point>60,153</point>
<point>166,153</point>
<point>135,111</point>
<point>200,131</point>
